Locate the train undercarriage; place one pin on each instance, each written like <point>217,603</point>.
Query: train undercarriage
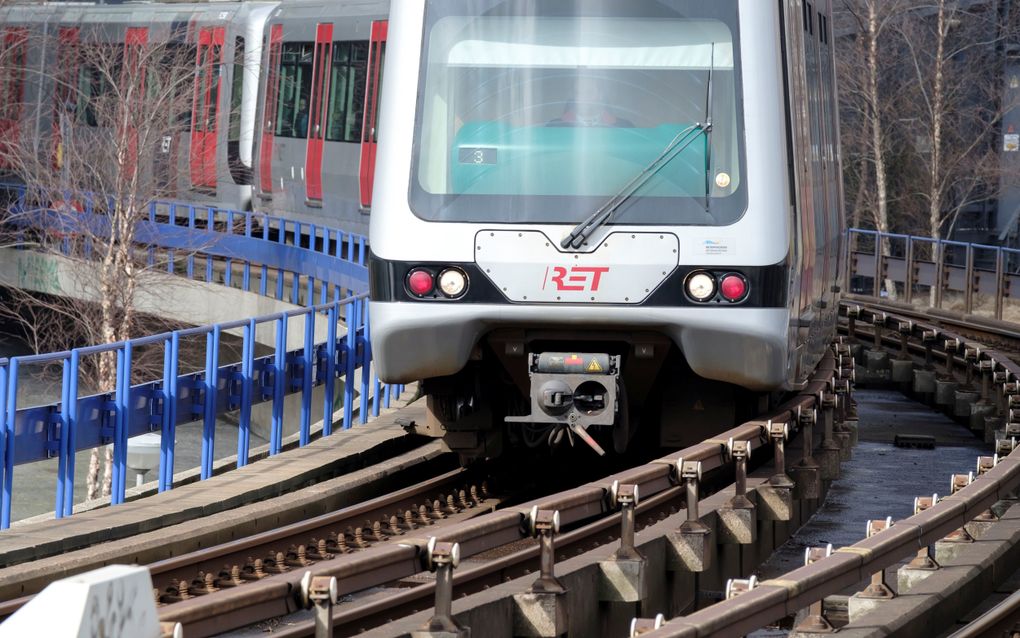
<point>606,391</point>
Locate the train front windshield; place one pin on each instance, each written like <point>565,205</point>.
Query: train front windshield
<point>541,111</point>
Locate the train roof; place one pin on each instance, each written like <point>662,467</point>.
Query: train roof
<point>128,12</point>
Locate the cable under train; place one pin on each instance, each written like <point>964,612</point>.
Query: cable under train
<point>600,221</point>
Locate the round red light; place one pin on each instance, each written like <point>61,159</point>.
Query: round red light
<point>733,287</point>
<point>420,282</point>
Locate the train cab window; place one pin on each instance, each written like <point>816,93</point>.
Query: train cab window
<point>347,92</point>
<point>525,116</point>
<point>292,100</point>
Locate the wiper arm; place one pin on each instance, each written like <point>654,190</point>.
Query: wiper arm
<point>582,231</point>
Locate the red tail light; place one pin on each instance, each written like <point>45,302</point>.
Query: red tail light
<point>420,282</point>
<point>733,287</point>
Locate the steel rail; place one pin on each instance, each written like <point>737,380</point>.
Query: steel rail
<point>971,322</point>
<point>167,573</point>
<point>780,597</point>
<point>469,579</point>
<point>997,621</point>
<point>279,594</point>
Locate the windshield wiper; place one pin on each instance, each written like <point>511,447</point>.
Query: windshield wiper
<point>582,231</point>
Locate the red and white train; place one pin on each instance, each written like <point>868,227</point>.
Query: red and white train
<point>284,100</point>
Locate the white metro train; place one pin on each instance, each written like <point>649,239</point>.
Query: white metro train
<point>595,219</point>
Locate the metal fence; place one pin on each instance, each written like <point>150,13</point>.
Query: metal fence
<point>922,266</point>
<point>308,257</point>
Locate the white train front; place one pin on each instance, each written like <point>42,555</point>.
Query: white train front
<point>593,214</point>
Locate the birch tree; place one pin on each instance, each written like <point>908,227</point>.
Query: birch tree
<point>952,64</point>
<point>866,93</point>
<point>115,109</point>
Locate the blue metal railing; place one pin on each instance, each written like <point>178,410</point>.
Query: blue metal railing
<point>317,256</point>
<point>923,265</point>
<point>307,254</point>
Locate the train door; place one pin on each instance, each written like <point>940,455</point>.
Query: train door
<point>369,134</point>
<point>835,214</point>
<point>13,44</point>
<point>269,110</point>
<point>205,102</point>
<point>812,34</point>
<point>321,63</point>
<point>64,100</point>
<point>803,266</point>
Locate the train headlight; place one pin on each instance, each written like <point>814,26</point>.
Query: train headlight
<point>701,286</point>
<point>420,282</point>
<point>452,282</point>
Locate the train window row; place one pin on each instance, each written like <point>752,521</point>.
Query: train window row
<point>345,90</point>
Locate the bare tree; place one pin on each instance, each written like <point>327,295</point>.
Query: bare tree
<point>113,109</point>
<point>951,68</point>
<point>867,92</point>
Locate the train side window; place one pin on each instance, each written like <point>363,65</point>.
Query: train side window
<point>292,107</point>
<point>12,74</point>
<point>347,91</point>
<point>240,173</point>
<point>92,86</point>
<point>179,57</point>
<point>215,70</point>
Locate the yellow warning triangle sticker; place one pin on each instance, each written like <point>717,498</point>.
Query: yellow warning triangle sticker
<point>594,366</point>
<point>699,406</point>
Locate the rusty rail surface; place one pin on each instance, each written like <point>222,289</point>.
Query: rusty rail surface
<point>777,598</point>
<point>211,568</point>
<point>281,594</point>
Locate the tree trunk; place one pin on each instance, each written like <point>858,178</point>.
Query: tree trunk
<point>878,141</point>
<point>935,190</point>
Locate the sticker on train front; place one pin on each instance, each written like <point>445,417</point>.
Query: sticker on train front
<point>528,266</point>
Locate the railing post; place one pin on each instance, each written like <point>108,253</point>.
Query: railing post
<point>247,384</point>
<point>246,280</point>
<point>8,447</point>
<point>4,504</point>
<point>330,376</point>
<point>279,379</point>
<point>1000,281</point>
<point>171,364</point>
<point>969,287</point>
<point>306,378</point>
<point>940,270</point>
<point>350,352</point>
<point>71,434</point>
<point>212,373</point>
<point>909,276</point>
<point>120,433</point>
<point>58,506</point>
<point>191,254</point>
<point>366,363</point>
<point>877,286</point>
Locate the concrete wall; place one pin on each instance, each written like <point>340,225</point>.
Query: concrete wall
<point>171,297</point>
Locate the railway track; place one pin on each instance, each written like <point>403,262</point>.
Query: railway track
<point>499,543</point>
<point>692,512</point>
<point>497,555</point>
